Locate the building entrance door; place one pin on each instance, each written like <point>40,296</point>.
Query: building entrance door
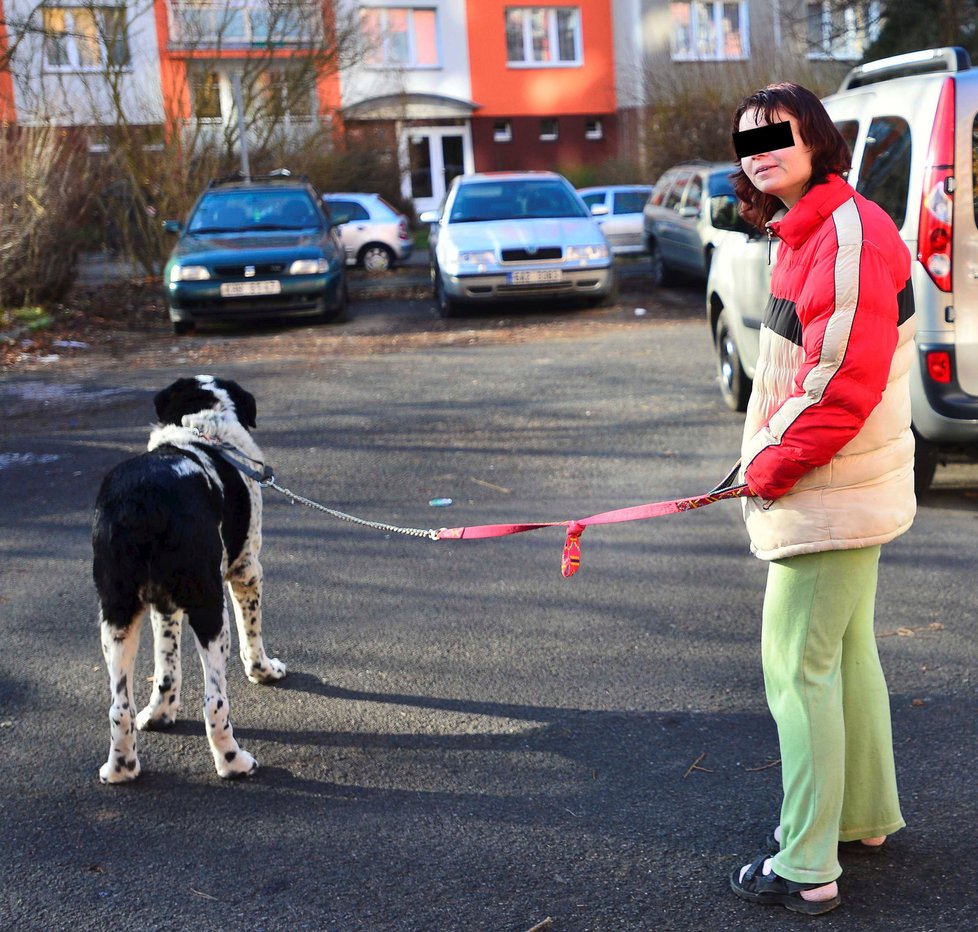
<point>436,155</point>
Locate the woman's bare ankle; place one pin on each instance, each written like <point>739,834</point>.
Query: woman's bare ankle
<point>820,894</point>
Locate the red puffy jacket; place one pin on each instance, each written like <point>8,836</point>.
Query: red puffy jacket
<point>827,443</point>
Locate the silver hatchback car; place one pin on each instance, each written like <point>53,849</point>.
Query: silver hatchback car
<point>375,234</point>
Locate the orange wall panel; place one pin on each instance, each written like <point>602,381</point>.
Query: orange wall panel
<point>8,108</point>
<point>502,90</point>
<point>174,78</point>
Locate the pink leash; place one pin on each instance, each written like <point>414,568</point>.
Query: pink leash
<point>571,561</point>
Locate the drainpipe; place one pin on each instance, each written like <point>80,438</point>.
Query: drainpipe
<point>242,135</point>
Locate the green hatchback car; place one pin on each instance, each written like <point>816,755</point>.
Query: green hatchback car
<point>255,248</point>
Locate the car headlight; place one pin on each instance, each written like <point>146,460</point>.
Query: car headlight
<point>481,257</point>
<point>189,273</point>
<point>586,253</point>
<point>309,267</point>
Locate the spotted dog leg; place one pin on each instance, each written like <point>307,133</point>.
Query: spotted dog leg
<point>231,761</point>
<point>246,582</point>
<point>164,702</point>
<point>119,647</point>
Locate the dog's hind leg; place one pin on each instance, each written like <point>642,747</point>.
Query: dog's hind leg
<point>245,581</point>
<point>119,647</point>
<point>230,760</point>
<point>164,702</point>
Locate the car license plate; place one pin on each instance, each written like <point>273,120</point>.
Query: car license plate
<point>249,289</point>
<point>535,276</point>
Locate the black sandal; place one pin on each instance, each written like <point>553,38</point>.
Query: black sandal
<point>772,890</point>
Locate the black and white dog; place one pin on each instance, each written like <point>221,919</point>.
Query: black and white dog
<point>172,526</point>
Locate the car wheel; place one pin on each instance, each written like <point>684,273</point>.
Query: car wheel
<point>182,327</point>
<point>660,272</point>
<point>734,384</point>
<point>447,305</point>
<point>925,462</point>
<point>376,257</point>
<point>340,313</point>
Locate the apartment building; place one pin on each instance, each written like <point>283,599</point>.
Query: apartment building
<point>272,63</point>
<point>477,85</point>
<point>84,64</point>
<point>443,86</point>
<point>663,48</point>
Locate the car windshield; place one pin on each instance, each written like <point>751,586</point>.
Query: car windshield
<point>514,200</point>
<point>244,211</point>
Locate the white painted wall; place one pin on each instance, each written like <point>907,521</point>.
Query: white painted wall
<point>450,79</point>
<point>73,97</point>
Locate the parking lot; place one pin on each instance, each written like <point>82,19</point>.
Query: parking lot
<point>465,740</point>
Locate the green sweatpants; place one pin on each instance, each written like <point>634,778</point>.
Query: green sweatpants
<point>826,691</point>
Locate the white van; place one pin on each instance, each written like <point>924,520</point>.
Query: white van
<point>912,124</point>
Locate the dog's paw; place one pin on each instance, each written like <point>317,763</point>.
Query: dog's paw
<point>236,764</point>
<point>119,770</point>
<point>269,670</point>
<point>153,718</point>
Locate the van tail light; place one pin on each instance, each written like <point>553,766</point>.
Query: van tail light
<point>935,232</point>
<point>939,366</point>
<point>402,229</point>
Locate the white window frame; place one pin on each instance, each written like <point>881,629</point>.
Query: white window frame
<point>411,64</point>
<point>502,131</point>
<point>715,9</point>
<point>73,39</point>
<point>553,37</point>
<point>593,128</point>
<point>547,135</point>
<point>849,46</point>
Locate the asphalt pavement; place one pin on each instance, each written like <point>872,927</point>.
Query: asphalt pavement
<point>465,740</point>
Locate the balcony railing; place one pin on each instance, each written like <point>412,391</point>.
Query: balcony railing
<point>240,24</point>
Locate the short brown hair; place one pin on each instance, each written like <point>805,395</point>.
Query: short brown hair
<point>830,153</point>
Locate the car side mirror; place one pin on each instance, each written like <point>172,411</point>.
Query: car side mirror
<point>172,226</point>
<point>725,214</point>
<point>429,216</point>
<point>599,210</point>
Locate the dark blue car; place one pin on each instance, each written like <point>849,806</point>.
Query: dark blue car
<point>255,248</point>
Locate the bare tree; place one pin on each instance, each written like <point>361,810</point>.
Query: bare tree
<point>833,30</point>
<point>159,130</point>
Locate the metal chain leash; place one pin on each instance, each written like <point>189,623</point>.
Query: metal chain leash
<point>429,533</point>
<point>265,477</point>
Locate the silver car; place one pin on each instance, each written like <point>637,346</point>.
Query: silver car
<point>501,236</point>
<point>692,209</point>
<point>375,234</point>
<point>618,210</point>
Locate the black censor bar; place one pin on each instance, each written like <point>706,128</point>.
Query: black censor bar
<point>763,139</point>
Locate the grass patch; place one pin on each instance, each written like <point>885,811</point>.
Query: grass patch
<point>25,319</point>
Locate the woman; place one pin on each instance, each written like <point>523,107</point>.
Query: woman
<point>828,456</point>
